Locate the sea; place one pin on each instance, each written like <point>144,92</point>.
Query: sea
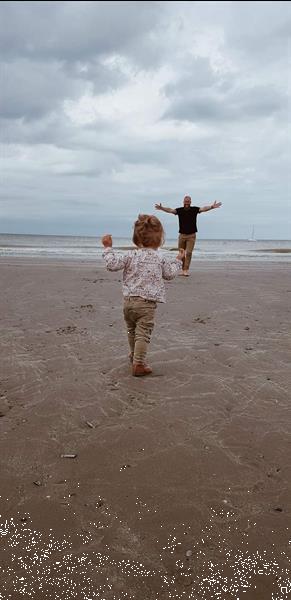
<point>89,248</point>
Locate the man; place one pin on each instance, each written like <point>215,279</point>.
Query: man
<point>187,215</point>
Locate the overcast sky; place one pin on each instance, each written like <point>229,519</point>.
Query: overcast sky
<point>109,107</point>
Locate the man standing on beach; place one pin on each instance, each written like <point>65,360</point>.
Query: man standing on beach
<point>187,215</point>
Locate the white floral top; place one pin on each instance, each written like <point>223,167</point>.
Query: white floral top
<point>144,270</point>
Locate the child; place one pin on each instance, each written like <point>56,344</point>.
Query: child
<point>144,269</point>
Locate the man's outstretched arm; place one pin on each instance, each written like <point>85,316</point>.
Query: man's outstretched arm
<point>210,207</point>
<point>167,210</point>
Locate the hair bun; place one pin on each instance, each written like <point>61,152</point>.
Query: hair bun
<point>146,219</point>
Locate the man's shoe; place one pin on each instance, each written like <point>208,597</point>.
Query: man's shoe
<point>139,370</point>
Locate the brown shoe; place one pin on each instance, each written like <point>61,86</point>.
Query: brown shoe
<point>139,370</point>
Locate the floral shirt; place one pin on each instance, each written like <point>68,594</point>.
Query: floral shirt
<point>144,270</point>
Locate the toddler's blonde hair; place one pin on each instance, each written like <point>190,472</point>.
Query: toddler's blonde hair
<point>148,232</point>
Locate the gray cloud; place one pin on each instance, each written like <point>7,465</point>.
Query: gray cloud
<point>197,73</point>
<point>240,104</point>
<point>74,31</point>
<point>32,89</point>
<point>56,50</point>
<point>260,31</point>
<point>108,107</point>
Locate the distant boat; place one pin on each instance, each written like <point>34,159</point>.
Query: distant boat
<point>252,238</point>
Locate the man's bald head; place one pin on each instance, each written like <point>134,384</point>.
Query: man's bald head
<point>187,201</point>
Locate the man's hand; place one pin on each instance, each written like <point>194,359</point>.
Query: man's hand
<point>159,206</point>
<point>181,255</point>
<point>107,240</point>
<point>216,204</point>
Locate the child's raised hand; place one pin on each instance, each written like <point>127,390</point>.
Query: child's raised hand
<point>107,240</point>
<point>181,254</point>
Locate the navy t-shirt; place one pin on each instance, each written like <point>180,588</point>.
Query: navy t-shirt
<point>187,219</point>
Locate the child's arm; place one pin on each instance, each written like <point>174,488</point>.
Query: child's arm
<point>113,261</point>
<point>170,268</point>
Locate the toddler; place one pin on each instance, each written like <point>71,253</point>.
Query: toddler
<point>144,269</point>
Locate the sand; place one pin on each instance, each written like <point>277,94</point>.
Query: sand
<point>177,485</point>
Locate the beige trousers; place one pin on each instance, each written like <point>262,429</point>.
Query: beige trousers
<point>139,316</point>
<point>187,242</point>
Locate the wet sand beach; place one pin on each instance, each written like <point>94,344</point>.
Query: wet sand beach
<point>174,486</point>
